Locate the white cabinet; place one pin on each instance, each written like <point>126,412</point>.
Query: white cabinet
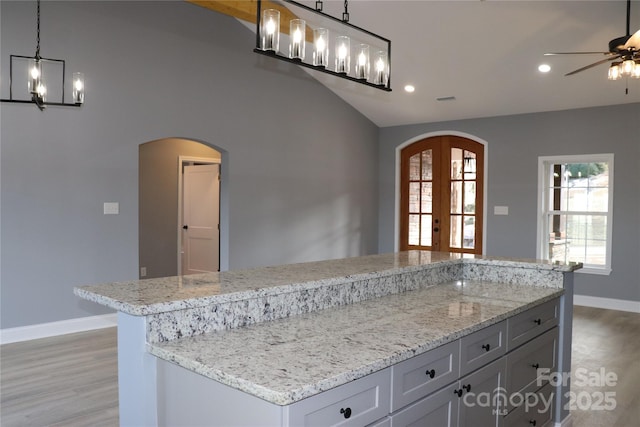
<point>420,376</point>
<point>536,412</point>
<point>482,347</point>
<point>529,324</point>
<point>357,403</point>
<point>477,404</point>
<point>440,409</point>
<point>460,384</point>
<point>462,403</point>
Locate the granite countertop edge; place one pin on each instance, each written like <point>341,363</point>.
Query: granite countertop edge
<point>90,292</point>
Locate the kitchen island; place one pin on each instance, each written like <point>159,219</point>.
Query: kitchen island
<point>274,339</point>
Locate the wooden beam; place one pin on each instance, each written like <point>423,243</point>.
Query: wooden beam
<point>247,11</point>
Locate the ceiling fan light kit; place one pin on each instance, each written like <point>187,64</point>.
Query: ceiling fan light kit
<point>36,85</point>
<point>623,51</point>
<point>298,23</point>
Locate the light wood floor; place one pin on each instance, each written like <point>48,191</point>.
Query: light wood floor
<point>72,380</point>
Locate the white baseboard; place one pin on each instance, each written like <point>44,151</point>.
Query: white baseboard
<point>607,303</point>
<point>567,422</point>
<point>52,329</point>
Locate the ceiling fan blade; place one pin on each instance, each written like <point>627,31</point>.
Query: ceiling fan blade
<point>633,42</point>
<point>602,61</point>
<point>577,53</point>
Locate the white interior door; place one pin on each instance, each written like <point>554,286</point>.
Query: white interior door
<point>201,219</point>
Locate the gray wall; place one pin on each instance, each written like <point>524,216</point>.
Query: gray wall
<point>514,144</point>
<point>158,202</point>
<point>301,164</point>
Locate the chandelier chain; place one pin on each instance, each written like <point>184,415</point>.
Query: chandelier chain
<point>38,34</point>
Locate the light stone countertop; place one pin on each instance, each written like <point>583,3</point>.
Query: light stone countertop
<point>287,360</point>
<point>150,296</point>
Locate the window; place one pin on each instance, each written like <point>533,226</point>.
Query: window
<point>576,200</point>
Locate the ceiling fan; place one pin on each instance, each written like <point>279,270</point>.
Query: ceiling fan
<point>625,49</point>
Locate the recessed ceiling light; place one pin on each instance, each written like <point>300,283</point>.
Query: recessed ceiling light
<point>409,88</point>
<point>544,68</point>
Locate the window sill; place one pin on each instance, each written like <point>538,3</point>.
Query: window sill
<point>597,271</point>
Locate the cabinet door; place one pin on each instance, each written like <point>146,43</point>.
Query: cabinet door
<point>421,375</point>
<point>525,363</point>
<point>438,410</point>
<point>537,412</point>
<point>480,402</point>
<point>357,403</point>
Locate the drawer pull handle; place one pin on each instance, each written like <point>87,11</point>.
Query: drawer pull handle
<point>533,423</point>
<point>537,321</point>
<point>458,392</point>
<point>467,387</point>
<point>346,412</point>
<point>536,365</point>
<point>487,347</point>
<point>431,373</point>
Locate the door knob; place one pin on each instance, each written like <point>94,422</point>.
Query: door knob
<point>185,227</point>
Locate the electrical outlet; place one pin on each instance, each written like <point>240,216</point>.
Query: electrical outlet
<point>111,208</point>
<point>501,210</point>
<point>143,271</point>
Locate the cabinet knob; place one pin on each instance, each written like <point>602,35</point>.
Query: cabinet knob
<point>537,321</point>
<point>458,392</point>
<point>467,387</point>
<point>535,365</point>
<point>346,412</point>
<point>487,347</point>
<point>431,373</point>
<point>436,229</point>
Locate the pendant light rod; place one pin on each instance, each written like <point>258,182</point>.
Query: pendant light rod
<point>345,14</point>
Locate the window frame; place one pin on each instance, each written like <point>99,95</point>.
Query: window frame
<point>544,186</point>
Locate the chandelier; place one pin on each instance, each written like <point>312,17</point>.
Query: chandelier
<point>36,85</point>
<point>335,46</point>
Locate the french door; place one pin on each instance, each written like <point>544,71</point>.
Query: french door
<point>441,195</point>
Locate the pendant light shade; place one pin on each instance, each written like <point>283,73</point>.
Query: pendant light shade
<point>270,30</point>
<point>297,31</point>
<point>320,47</point>
<point>615,71</point>
<point>343,54</point>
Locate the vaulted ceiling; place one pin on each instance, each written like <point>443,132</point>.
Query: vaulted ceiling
<point>483,53</point>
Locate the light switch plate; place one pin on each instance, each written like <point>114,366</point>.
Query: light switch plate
<point>111,208</point>
<point>501,210</point>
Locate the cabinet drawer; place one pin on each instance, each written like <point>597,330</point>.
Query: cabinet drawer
<point>417,377</point>
<point>482,347</point>
<point>385,422</point>
<point>531,323</point>
<point>438,410</point>
<point>537,412</point>
<point>524,362</point>
<point>357,403</point>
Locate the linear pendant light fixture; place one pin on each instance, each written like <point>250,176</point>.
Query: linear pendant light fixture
<point>35,85</point>
<point>323,43</point>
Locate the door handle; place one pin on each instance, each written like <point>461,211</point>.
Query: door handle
<point>185,227</point>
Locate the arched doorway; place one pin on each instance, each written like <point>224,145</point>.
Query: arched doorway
<point>442,195</point>
<point>161,237</point>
